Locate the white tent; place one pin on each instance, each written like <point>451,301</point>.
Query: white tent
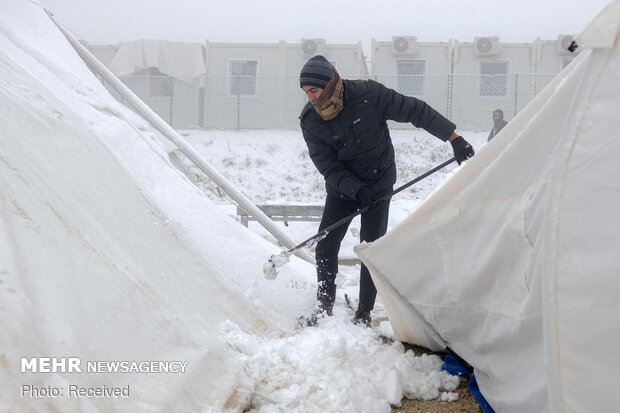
<point>514,263</point>
<point>108,253</point>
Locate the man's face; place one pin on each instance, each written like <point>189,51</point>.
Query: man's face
<point>312,92</point>
<point>497,116</point>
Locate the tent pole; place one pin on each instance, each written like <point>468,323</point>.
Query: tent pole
<point>180,143</point>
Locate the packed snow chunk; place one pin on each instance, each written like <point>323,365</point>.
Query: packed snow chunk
<point>270,269</point>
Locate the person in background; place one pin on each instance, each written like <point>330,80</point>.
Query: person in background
<point>344,124</point>
<point>498,123</point>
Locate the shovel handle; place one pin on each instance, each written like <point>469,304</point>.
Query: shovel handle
<point>322,234</point>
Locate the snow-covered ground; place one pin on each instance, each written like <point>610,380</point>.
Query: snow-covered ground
<point>335,361</point>
<point>109,252</point>
<point>273,167</point>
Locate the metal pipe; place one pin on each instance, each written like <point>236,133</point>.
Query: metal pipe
<point>180,143</point>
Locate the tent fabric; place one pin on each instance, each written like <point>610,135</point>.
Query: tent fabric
<point>95,264</point>
<point>603,30</point>
<point>513,263</point>
<point>181,60</point>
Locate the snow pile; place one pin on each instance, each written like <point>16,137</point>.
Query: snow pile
<point>337,367</point>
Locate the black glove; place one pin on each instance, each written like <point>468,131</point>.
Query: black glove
<point>366,197</point>
<point>462,149</point>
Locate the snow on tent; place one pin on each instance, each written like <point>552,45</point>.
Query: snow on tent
<point>95,263</point>
<point>514,263</point>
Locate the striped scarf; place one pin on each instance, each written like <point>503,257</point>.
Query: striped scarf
<point>330,103</point>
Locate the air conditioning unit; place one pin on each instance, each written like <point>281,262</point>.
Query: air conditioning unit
<point>312,47</point>
<point>403,45</point>
<point>564,42</point>
<point>486,46</point>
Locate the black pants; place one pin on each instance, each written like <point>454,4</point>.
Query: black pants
<point>373,225</point>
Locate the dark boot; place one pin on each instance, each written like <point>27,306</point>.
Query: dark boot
<point>308,321</point>
<point>362,317</point>
<point>313,319</point>
<point>326,273</point>
<point>325,298</point>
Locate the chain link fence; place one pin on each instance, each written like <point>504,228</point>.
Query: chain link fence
<point>274,102</point>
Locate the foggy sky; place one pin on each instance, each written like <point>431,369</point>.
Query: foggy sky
<point>338,21</point>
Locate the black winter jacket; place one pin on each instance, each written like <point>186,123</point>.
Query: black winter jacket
<point>355,149</point>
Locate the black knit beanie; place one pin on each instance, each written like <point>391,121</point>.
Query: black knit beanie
<point>316,72</point>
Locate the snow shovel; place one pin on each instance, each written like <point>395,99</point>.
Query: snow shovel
<point>270,269</point>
